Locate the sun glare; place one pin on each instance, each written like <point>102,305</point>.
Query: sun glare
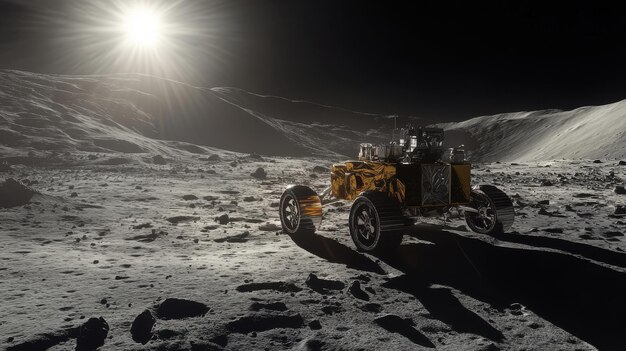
<point>143,27</point>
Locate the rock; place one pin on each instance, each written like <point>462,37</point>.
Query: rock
<point>269,227</point>
<point>233,164</point>
<point>249,199</point>
<point>620,210</point>
<point>612,234</point>
<point>356,291</point>
<point>74,194</point>
<point>276,286</point>
<point>622,163</point>
<point>272,306</point>
<point>323,285</point>
<point>546,182</point>
<point>544,202</point>
<point>214,158</point>
<point>620,190</point>
<point>321,169</point>
<point>223,219</point>
<point>238,238</point>
<point>597,161</point>
<point>179,219</point>
<point>92,334</point>
<point>173,308</point>
<point>315,325</point>
<point>14,193</point>
<point>141,329</point>
<point>259,173</point>
<point>190,197</point>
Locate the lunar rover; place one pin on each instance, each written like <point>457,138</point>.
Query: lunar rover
<point>393,185</point>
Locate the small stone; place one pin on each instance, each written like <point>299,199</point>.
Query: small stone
<point>620,190</point>
<point>597,161</point>
<point>92,334</point>
<point>190,197</point>
<point>544,202</point>
<point>620,210</point>
<point>74,194</point>
<point>223,219</point>
<point>259,173</point>
<point>622,163</point>
<point>141,329</point>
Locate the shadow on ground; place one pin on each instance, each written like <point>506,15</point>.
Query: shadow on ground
<point>335,252</point>
<point>583,298</point>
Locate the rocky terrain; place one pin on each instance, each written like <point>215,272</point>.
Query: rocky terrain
<point>187,253</point>
<point>124,224</point>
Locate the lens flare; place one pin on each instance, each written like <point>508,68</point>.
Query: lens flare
<point>142,27</point>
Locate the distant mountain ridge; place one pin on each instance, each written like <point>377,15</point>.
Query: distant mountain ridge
<point>136,113</point>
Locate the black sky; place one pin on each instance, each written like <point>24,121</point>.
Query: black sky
<point>442,60</point>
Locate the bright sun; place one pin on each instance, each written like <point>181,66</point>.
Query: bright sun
<point>142,27</point>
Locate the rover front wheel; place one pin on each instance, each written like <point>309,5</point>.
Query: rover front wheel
<point>300,210</point>
<point>494,210</point>
<point>375,223</point>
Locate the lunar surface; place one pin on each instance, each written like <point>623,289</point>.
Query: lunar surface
<point>115,234</point>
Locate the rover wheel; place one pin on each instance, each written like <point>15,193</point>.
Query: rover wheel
<point>495,211</point>
<point>376,222</point>
<point>300,210</point>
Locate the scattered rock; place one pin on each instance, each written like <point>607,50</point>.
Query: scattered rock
<point>620,190</point>
<point>179,219</point>
<point>190,197</point>
<point>141,329</point>
<point>92,334</point>
<point>223,219</point>
<point>259,173</point>
<point>356,291</point>
<point>15,193</point>
<point>323,285</point>
<point>263,322</point>
<point>173,308</point>
<point>158,160</point>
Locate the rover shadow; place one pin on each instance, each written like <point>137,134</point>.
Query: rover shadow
<point>335,252</point>
<point>589,251</point>
<point>583,298</point>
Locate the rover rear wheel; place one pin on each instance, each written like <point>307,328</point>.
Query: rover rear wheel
<point>376,222</point>
<point>495,212</point>
<point>300,210</point>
